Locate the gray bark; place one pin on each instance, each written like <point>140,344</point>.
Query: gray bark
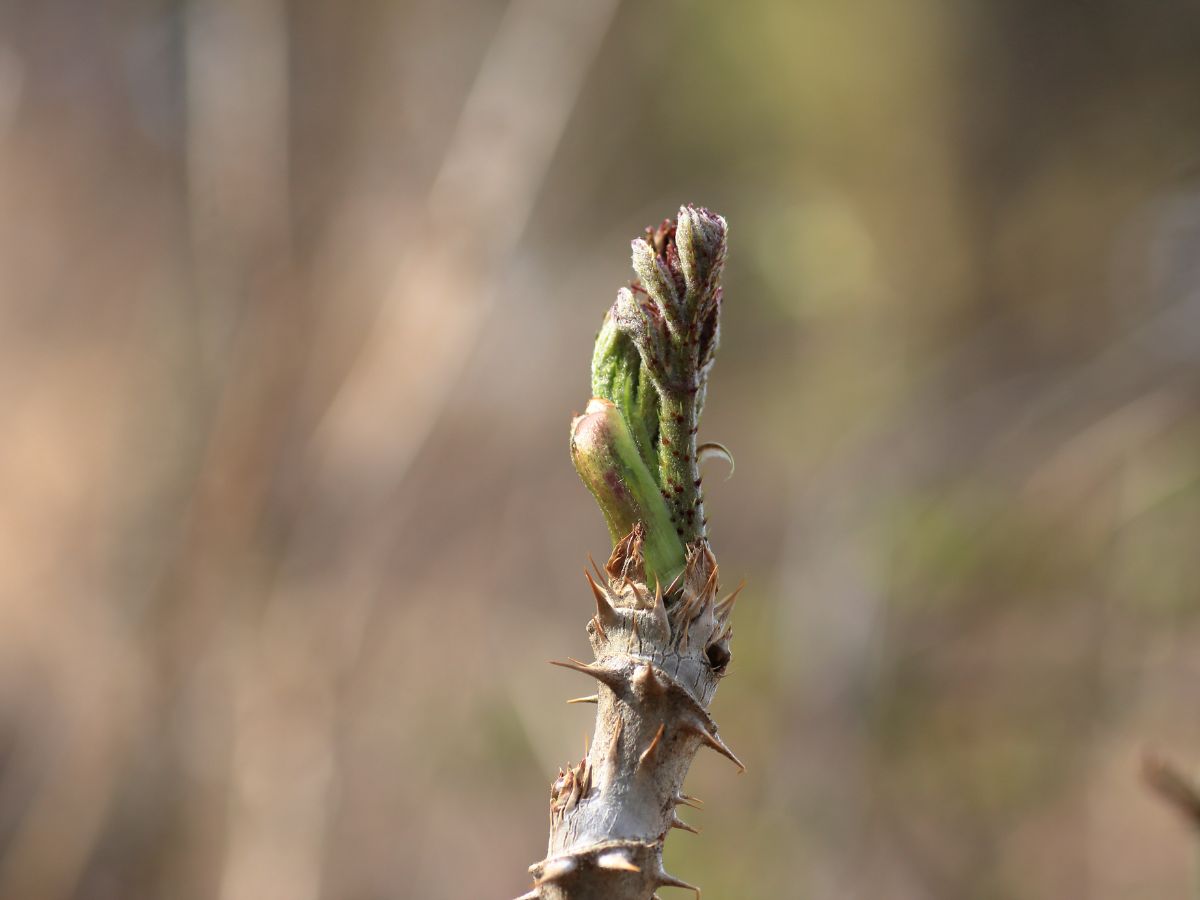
<point>659,657</point>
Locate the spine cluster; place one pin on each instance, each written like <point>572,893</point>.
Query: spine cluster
<point>657,665</point>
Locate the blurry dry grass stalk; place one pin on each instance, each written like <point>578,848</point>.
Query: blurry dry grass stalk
<point>437,302</point>
<point>256,652</point>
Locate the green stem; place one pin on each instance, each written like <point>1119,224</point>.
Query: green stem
<point>678,470</point>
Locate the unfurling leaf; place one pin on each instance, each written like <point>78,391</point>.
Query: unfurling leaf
<point>607,459</point>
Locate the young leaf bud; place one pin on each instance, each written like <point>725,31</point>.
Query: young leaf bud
<point>700,240</point>
<point>607,459</point>
<point>619,375</point>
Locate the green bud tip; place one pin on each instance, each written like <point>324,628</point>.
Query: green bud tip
<point>655,350</point>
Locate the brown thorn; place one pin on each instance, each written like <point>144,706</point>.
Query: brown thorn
<point>685,800</point>
<point>671,881</point>
<point>660,607</point>
<point>596,568</point>
<point>616,859</point>
<point>647,679</point>
<point>683,612</point>
<point>649,751</point>
<point>675,582</point>
<point>710,739</point>
<point>637,592</point>
<point>684,622</point>
<point>612,679</point>
<point>590,698</point>
<point>615,746</point>
<point>600,628</point>
<point>677,822</point>
<point>604,609</point>
<point>531,895</point>
<point>723,608</point>
<point>558,868</point>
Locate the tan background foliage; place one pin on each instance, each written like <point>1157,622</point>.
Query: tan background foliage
<point>297,298</point>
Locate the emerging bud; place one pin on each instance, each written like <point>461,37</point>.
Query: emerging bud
<point>654,353</point>
<point>700,241</point>
<point>642,321</point>
<point>654,276</point>
<point>607,459</point>
<point>619,375</point>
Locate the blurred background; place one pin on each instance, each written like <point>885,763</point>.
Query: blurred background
<point>296,303</point>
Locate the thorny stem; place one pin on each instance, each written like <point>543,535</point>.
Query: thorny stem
<point>660,635</point>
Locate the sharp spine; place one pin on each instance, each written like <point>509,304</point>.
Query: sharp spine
<point>605,613</point>
<point>637,593</point>
<point>614,755</point>
<point>557,868</point>
<point>710,586</point>
<point>595,567</point>
<point>711,739</point>
<point>590,698</point>
<point>648,753</point>
<point>616,859</point>
<point>675,582</point>
<point>666,880</point>
<point>725,607</point>
<point>648,680</point>
<point>677,822</point>
<point>660,608</point>
<point>604,676</point>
